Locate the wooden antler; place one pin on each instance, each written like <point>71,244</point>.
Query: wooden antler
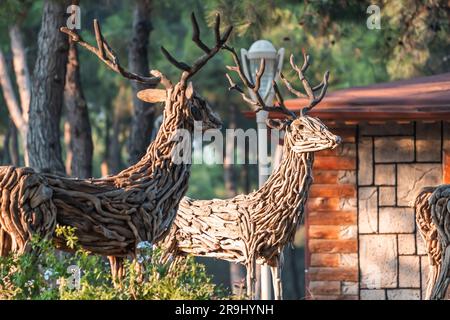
<point>106,54</point>
<point>310,91</point>
<point>209,52</point>
<point>259,104</point>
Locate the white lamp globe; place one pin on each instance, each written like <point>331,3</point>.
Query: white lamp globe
<point>263,49</point>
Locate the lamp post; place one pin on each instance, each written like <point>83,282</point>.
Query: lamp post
<point>263,49</point>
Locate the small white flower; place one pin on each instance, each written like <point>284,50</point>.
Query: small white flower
<point>29,283</point>
<point>48,273</point>
<point>144,245</point>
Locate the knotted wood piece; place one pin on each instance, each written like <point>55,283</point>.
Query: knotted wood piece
<point>112,214</point>
<point>255,228</point>
<point>432,208</point>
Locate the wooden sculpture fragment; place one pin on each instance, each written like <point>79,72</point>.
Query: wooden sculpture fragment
<point>432,208</point>
<point>113,214</point>
<point>255,228</point>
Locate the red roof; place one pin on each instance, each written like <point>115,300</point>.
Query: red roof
<point>424,98</point>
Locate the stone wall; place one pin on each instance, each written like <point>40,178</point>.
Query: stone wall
<point>362,241</point>
<point>332,245</point>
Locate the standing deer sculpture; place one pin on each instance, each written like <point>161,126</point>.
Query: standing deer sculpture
<point>432,206</point>
<point>255,228</point>
<point>113,214</point>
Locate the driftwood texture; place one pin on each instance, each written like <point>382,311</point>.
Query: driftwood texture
<point>113,214</point>
<point>255,228</point>
<point>432,208</point>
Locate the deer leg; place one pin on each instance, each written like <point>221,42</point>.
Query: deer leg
<point>443,280</point>
<point>117,270</point>
<point>276,281</point>
<point>248,280</point>
<point>5,243</point>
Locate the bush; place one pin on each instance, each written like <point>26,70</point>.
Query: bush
<point>50,274</point>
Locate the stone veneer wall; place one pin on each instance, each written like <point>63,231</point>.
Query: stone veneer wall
<point>331,222</point>
<point>362,241</point>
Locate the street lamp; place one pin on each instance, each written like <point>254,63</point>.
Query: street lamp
<point>263,49</point>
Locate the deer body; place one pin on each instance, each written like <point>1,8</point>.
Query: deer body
<point>433,223</point>
<point>252,228</point>
<point>112,214</point>
<point>255,228</point>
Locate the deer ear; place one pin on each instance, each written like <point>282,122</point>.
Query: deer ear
<point>152,95</point>
<point>189,90</point>
<point>276,124</point>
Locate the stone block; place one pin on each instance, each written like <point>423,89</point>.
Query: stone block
<point>378,261</point>
<point>389,128</point>
<point>333,274</point>
<point>332,190</point>
<point>376,294</point>
<point>406,244</point>
<point>386,196</point>
<point>413,177</point>
<point>396,220</point>
<point>334,163</point>
<point>331,204</point>
<point>424,270</point>
<point>338,218</point>
<point>348,232</point>
<point>403,294</point>
<point>325,287</point>
<point>348,260</point>
<point>385,174</point>
<point>420,244</point>
<point>428,142</point>
<point>347,177</point>
<point>394,149</point>
<point>349,288</point>
<point>332,246</point>
<point>368,210</point>
<point>365,158</point>
<point>332,232</point>
<point>409,271</point>
<point>324,260</point>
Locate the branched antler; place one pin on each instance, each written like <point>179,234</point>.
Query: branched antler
<point>259,104</point>
<point>310,91</point>
<point>105,53</point>
<point>190,70</point>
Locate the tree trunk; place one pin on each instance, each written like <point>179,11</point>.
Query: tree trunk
<point>12,104</point>
<point>143,114</point>
<point>80,145</point>
<point>15,153</point>
<point>114,159</point>
<point>23,82</point>
<point>21,69</point>
<point>6,155</point>
<point>48,90</point>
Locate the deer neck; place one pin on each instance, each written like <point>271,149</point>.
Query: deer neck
<point>160,153</point>
<point>281,200</point>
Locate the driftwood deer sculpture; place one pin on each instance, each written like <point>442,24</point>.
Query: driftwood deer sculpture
<point>113,214</point>
<point>255,228</point>
<point>432,206</point>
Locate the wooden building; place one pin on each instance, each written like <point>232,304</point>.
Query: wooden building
<point>362,241</point>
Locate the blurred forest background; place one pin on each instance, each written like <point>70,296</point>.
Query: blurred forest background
<point>93,126</point>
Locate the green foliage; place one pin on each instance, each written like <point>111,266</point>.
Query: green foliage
<point>44,275</point>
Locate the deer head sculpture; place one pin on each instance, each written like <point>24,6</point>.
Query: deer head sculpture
<point>180,95</point>
<point>303,133</point>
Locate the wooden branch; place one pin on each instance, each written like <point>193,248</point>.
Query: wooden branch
<point>104,52</point>
<point>259,104</point>
<point>209,52</point>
